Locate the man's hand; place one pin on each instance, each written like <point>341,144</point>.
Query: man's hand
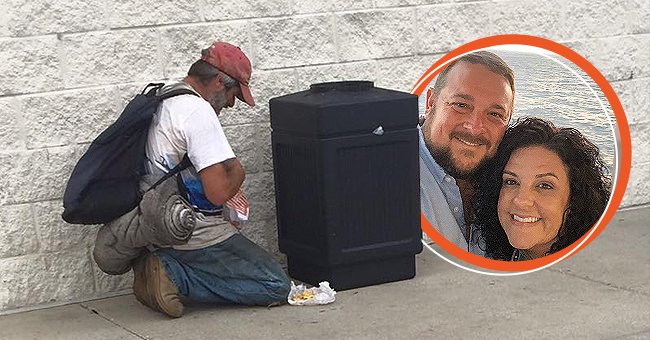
<point>221,181</point>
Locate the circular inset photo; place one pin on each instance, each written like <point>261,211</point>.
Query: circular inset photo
<point>524,154</point>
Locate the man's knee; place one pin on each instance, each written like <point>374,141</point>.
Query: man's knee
<point>278,287</point>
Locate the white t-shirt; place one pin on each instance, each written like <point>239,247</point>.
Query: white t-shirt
<point>187,124</point>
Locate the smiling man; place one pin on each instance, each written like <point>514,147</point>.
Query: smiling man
<point>467,113</point>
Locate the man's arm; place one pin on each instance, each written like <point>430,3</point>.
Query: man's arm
<point>221,181</point>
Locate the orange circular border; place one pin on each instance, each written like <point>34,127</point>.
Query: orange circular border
<point>623,164</point>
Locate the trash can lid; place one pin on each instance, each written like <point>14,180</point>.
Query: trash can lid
<point>343,107</point>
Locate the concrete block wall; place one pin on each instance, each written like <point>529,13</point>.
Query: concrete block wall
<point>67,68</point>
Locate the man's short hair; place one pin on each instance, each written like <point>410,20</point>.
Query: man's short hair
<point>204,72</point>
<point>490,60</point>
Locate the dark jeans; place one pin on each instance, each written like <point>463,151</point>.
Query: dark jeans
<point>235,271</point>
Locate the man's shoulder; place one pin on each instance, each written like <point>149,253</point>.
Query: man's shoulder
<point>188,105</point>
<point>176,86</point>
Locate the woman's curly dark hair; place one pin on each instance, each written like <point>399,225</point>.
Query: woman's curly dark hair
<point>589,183</point>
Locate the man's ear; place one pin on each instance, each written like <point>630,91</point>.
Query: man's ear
<point>429,100</point>
<point>216,81</point>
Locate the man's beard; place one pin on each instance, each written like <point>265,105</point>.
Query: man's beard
<point>443,156</point>
<point>218,101</point>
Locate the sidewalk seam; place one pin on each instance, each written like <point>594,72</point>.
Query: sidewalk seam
<point>586,278</point>
<point>101,315</point>
<point>627,335</point>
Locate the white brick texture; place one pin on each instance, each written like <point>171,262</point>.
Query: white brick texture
<point>638,187</point>
<point>39,279</point>
<point>181,46</point>
<point>54,234</point>
<point>10,129</point>
<point>29,65</point>
<point>99,58</point>
<point>308,6</point>
<point>35,175</point>
<point>224,9</point>
<point>634,98</point>
<point>130,13</point>
<point>17,231</point>
<point>36,17</point>
<point>59,119</point>
<point>294,42</point>
<point>617,58</point>
<point>69,67</point>
<point>365,35</point>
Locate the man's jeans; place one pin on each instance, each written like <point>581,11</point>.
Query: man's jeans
<point>235,271</point>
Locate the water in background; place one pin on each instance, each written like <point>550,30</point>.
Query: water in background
<point>548,90</point>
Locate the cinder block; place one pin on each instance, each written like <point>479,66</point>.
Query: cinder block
<point>635,98</point>
<point>365,35</point>
<point>567,20</point>
<point>308,6</point>
<point>24,282</point>
<point>37,17</point>
<point>224,10</point>
<point>17,231</point>
<point>249,142</point>
<point>55,234</point>
<point>130,13</point>
<point>401,74</point>
<point>445,27</point>
<point>640,136</point>
<point>4,27</point>
<point>617,58</point>
<point>70,275</point>
<point>638,187</point>
<point>244,137</point>
<point>265,155</point>
<point>38,279</point>
<point>181,46</point>
<point>99,58</point>
<point>260,190</point>
<point>399,3</point>
<point>69,117</point>
<point>35,175</point>
<point>29,65</point>
<point>585,19</point>
<point>10,129</point>
<point>294,41</point>
<point>250,160</point>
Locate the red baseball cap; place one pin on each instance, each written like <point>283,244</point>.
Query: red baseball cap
<point>230,60</point>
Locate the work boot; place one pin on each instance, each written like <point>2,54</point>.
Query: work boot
<point>140,281</point>
<point>153,288</point>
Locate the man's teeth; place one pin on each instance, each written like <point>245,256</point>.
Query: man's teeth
<point>525,219</point>
<point>468,143</point>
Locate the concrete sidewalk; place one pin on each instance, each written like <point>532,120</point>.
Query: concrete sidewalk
<point>603,292</point>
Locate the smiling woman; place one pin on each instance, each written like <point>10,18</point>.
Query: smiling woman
<point>543,190</point>
<point>534,199</point>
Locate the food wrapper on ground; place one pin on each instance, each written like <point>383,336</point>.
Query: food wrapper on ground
<point>303,296</point>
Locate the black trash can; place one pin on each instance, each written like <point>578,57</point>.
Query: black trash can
<point>345,158</point>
